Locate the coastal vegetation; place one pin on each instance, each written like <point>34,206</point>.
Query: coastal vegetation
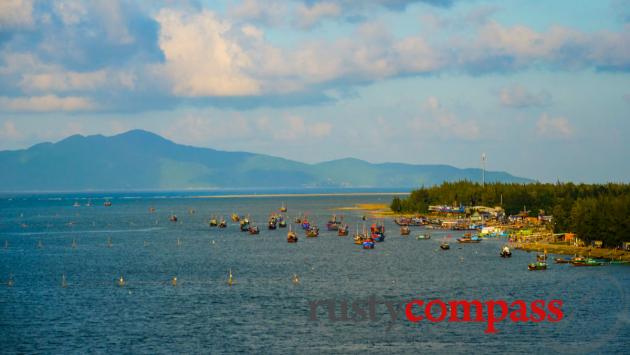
<point>592,211</point>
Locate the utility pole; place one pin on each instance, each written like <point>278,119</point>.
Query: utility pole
<point>483,169</point>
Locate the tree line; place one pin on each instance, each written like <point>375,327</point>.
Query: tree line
<point>592,211</point>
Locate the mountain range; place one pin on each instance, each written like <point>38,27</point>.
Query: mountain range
<point>141,160</point>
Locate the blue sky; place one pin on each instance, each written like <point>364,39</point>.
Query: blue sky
<point>542,87</point>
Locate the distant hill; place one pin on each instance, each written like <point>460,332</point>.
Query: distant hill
<point>142,160</point>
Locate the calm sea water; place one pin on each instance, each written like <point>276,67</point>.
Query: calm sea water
<point>265,312</point>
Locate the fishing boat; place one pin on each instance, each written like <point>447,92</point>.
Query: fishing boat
<point>312,232</point>
<point>562,260</point>
<point>283,208</point>
<point>505,252</point>
<point>223,223</point>
<point>358,237</point>
<point>587,262</point>
<point>368,243</point>
<point>291,236</point>
<point>423,236</point>
<point>469,239</point>
<point>333,224</point>
<point>282,223</point>
<point>244,225</point>
<point>405,230</point>
<point>253,230</point>
<point>172,218</point>
<point>273,222</point>
<point>343,230</point>
<point>444,246</point>
<point>539,265</point>
<point>107,203</point>
<point>213,222</point>
<point>235,217</point>
<point>305,224</point>
<point>377,232</point>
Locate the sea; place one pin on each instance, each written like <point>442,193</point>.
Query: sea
<point>60,266</point>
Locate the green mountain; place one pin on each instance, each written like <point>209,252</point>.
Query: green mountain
<point>142,160</point>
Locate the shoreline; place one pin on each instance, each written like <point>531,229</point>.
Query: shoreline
<point>329,194</point>
<point>573,250</point>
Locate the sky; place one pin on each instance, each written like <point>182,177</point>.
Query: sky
<point>541,87</point>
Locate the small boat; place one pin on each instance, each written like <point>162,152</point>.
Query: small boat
<point>445,246</point>
<point>312,232</point>
<point>213,222</point>
<point>291,236</point>
<point>539,265</point>
<point>358,237</point>
<point>172,218</point>
<point>76,204</point>
<point>74,244</point>
<point>282,223</point>
<point>40,245</point>
<point>253,230</point>
<point>174,281</point>
<point>343,230</point>
<point>469,239</point>
<point>244,225</point>
<point>333,224</point>
<point>405,230</point>
<point>562,260</point>
<point>305,224</point>
<point>541,257</point>
<point>223,223</point>
<point>505,252</point>
<point>107,203</point>
<point>283,208</point>
<point>273,223</point>
<point>295,279</point>
<point>109,242</point>
<point>235,217</point>
<point>121,281</point>
<point>368,243</point>
<point>423,236</point>
<point>151,209</point>
<point>89,203</point>
<point>64,283</point>
<point>378,232</point>
<point>587,262</point>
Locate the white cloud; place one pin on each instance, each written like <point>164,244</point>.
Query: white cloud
<point>200,58</point>
<point>309,16</point>
<point>439,121</point>
<point>9,131</point>
<point>47,103</point>
<point>553,127</point>
<point>269,12</point>
<point>517,96</point>
<point>16,14</point>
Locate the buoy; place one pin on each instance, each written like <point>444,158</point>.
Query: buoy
<point>174,281</point>
<point>230,281</point>
<point>121,281</point>
<point>296,279</point>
